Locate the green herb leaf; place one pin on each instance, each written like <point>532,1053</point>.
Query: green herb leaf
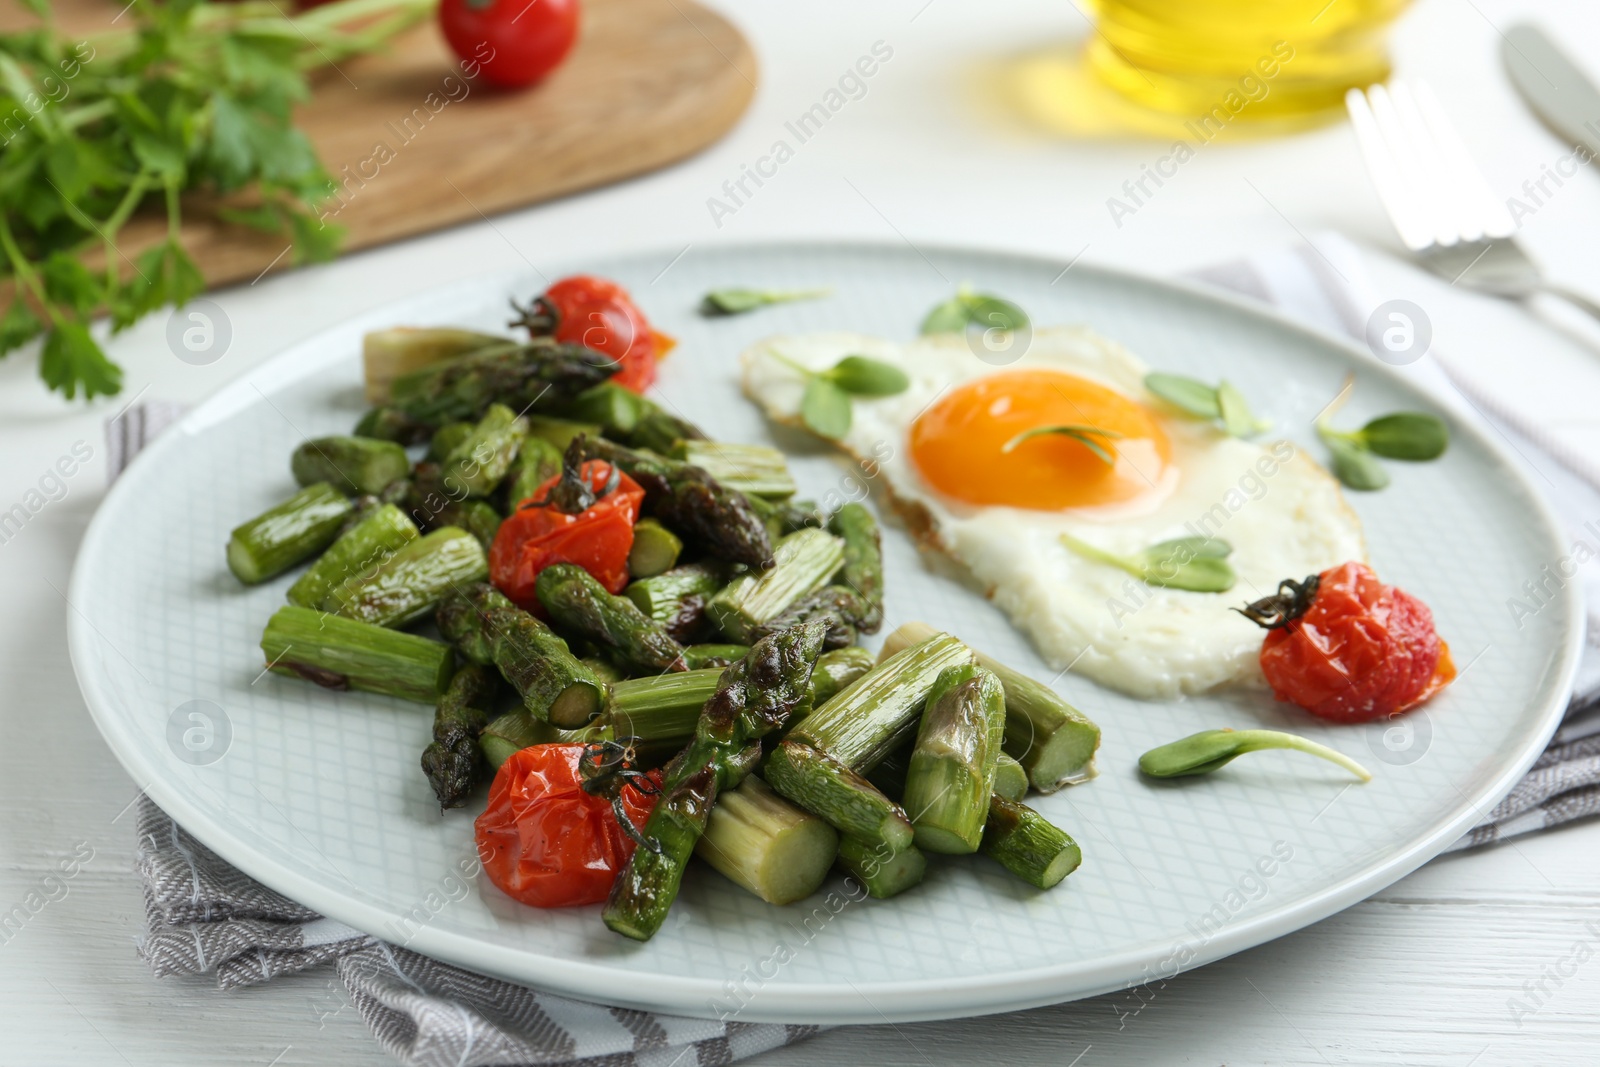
<point>1406,435</point>
<point>1237,418</point>
<point>825,408</point>
<point>1084,435</point>
<point>1352,463</point>
<point>1208,750</point>
<point>968,308</point>
<point>70,357</point>
<point>1195,397</point>
<point>739,301</point>
<point>19,326</point>
<point>1193,564</point>
<point>864,376</point>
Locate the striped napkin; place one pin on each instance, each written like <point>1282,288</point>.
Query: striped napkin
<point>206,917</point>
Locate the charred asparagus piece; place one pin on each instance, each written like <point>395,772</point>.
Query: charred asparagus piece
<point>280,537</point>
<point>752,469</point>
<point>445,439</point>
<point>483,456</point>
<point>353,464</point>
<point>535,377</point>
<point>581,605</point>
<point>389,424</point>
<point>756,696</point>
<point>1010,780</point>
<point>692,503</point>
<point>409,583</point>
<point>453,762</point>
<point>488,628</point>
<point>661,596</point>
<point>855,601</point>
<point>388,354</point>
<point>762,842</point>
<point>537,462</point>
<point>820,763</point>
<point>836,669</point>
<point>882,871</point>
<point>803,561</point>
<point>362,548</point>
<point>345,654</point>
<point>434,502</point>
<point>516,730</point>
<point>952,769</point>
<point>1028,845</point>
<point>1054,742</point>
<point>655,549</point>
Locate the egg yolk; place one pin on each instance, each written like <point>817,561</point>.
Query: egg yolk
<point>959,443</point>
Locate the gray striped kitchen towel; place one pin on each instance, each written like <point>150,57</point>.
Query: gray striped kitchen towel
<point>206,917</point>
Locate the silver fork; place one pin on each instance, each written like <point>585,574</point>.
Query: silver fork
<point>1436,198</point>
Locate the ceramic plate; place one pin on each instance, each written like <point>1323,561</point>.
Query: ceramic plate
<point>318,794</point>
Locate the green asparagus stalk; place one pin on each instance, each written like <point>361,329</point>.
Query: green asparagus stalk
<point>582,606</point>
<point>661,596</point>
<point>379,533</point>
<point>755,696</point>
<point>694,504</point>
<point>662,433</point>
<point>453,762</point>
<point>765,844</point>
<point>555,687</point>
<point>345,654</point>
<point>536,377</point>
<point>537,462</point>
<point>560,433</point>
<point>663,706</point>
<point>1026,844</point>
<point>836,669</point>
<point>389,354</point>
<point>884,872</point>
<point>354,464</point>
<point>480,459</point>
<point>516,730</point>
<point>615,410</point>
<point>820,764</point>
<point>390,424</point>
<point>445,439</point>
<point>952,769</point>
<point>655,549</point>
<point>752,469</point>
<point>700,656</point>
<point>432,504</point>
<point>803,561</point>
<point>409,583</point>
<point>280,537</point>
<point>1010,780</point>
<point>855,601</point>
<point>1054,742</point>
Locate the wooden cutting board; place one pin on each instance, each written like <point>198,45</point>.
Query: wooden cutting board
<point>416,147</point>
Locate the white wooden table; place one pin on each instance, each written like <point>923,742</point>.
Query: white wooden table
<point>1476,959</point>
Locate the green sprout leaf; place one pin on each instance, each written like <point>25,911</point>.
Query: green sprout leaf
<point>825,408</point>
<point>738,301</point>
<point>1406,435</point>
<point>1208,750</point>
<point>1084,435</point>
<point>968,308</point>
<point>1187,394</point>
<point>1353,465</point>
<point>1193,564</point>
<point>1237,418</point>
<point>863,376</point>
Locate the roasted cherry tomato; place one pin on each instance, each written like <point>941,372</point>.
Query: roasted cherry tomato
<point>1347,647</point>
<point>599,314</point>
<point>511,42</point>
<point>597,539</point>
<point>544,840</point>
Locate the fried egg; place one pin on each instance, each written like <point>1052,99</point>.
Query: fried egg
<point>947,451</point>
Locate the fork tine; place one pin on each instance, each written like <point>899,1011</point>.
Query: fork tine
<point>1491,215</point>
<point>1410,217</point>
<point>1409,163</point>
<point>1455,210</point>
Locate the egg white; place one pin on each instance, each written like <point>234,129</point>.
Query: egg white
<point>1283,514</point>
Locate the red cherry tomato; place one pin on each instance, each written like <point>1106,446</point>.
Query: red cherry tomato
<point>1362,650</point>
<point>597,539</point>
<point>546,842</point>
<point>599,314</point>
<point>511,42</point>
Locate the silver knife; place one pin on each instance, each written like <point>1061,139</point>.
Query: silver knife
<point>1554,86</point>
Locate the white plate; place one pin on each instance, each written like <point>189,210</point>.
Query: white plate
<point>319,795</point>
